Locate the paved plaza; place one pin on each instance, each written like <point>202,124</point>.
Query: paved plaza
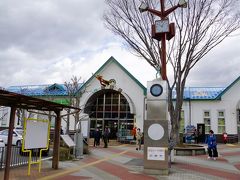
<point>124,162</point>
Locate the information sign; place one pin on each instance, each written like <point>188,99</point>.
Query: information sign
<point>156,153</point>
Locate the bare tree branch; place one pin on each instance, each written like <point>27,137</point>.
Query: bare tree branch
<point>199,28</point>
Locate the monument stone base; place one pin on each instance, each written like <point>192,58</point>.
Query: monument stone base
<point>156,171</point>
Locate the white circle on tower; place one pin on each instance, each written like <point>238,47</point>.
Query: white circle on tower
<point>155,131</point>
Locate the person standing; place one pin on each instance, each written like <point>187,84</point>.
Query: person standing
<point>105,137</point>
<point>97,137</point>
<point>134,131</point>
<point>109,133</point>
<point>225,137</point>
<point>212,145</point>
<point>138,139</point>
<point>195,136</point>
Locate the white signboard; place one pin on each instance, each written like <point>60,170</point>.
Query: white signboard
<point>67,139</point>
<point>36,134</point>
<point>156,153</point>
<point>84,126</point>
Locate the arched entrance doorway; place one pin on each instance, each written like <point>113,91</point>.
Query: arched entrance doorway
<point>109,108</point>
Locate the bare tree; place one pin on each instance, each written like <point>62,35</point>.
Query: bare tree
<point>3,113</point>
<point>19,113</point>
<point>74,99</point>
<point>199,28</point>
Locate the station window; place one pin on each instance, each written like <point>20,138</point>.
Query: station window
<point>221,122</point>
<point>207,120</point>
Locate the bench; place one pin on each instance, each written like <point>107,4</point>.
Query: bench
<point>126,139</point>
<point>232,138</point>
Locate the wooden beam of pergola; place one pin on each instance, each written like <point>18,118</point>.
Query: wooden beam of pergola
<point>15,101</point>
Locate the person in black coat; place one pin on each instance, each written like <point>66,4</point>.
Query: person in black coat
<point>97,137</point>
<point>105,137</point>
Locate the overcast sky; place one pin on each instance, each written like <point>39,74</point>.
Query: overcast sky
<point>49,41</point>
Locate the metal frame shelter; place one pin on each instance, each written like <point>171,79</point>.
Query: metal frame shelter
<point>15,101</point>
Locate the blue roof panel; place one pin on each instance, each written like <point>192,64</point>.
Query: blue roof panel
<point>201,93</point>
<point>41,90</point>
<point>192,93</point>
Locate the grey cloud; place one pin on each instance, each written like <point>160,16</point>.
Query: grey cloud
<point>47,28</point>
<point>37,34</point>
<point>220,67</point>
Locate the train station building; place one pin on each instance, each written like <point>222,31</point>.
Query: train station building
<point>114,98</point>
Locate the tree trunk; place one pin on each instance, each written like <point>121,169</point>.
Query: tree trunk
<point>68,122</point>
<point>199,28</point>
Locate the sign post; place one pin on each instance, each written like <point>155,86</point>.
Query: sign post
<point>35,136</point>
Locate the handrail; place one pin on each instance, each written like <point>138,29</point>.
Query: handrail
<point>84,140</point>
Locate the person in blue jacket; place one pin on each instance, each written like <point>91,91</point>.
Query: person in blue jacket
<point>212,145</point>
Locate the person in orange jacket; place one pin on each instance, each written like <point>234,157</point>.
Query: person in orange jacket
<point>134,131</point>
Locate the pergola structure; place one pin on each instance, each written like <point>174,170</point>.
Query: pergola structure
<point>14,101</point>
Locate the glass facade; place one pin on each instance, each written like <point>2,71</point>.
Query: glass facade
<point>109,108</point>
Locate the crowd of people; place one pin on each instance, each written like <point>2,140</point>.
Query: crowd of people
<point>136,132</point>
<point>211,140</point>
<point>105,137</point>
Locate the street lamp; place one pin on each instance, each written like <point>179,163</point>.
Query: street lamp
<point>143,7</point>
<point>162,30</point>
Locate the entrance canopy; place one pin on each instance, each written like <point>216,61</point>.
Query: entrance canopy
<point>11,99</point>
<point>14,101</point>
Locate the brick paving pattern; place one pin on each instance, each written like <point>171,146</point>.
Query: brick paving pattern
<point>124,162</point>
